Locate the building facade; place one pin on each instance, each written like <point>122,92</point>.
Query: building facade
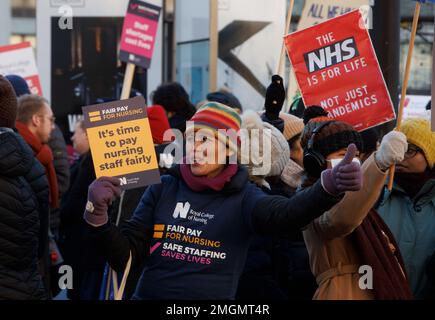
<point>18,24</point>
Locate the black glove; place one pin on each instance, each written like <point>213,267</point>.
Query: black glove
<point>275,97</point>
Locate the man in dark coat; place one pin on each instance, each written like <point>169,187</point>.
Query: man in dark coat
<point>24,208</point>
<point>57,145</point>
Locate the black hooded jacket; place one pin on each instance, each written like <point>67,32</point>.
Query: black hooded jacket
<point>24,209</point>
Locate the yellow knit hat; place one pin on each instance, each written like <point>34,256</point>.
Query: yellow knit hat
<point>418,131</point>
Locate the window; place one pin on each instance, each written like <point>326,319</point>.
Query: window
<point>23,8</point>
<point>421,68</point>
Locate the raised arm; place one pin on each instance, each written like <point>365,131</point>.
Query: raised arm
<point>277,214</point>
<point>272,214</point>
<point>349,213</point>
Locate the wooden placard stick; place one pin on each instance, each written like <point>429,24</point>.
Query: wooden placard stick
<point>405,81</point>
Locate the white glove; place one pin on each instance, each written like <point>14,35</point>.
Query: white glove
<point>392,150</point>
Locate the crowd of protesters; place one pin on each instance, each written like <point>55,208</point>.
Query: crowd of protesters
<point>312,226</point>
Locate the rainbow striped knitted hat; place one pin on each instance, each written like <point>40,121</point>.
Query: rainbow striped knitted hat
<point>215,116</point>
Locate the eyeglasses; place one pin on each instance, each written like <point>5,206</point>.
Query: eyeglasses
<point>412,151</point>
<point>52,119</point>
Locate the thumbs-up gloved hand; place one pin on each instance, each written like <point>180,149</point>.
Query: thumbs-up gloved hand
<point>346,176</point>
<point>101,193</point>
<point>392,150</point>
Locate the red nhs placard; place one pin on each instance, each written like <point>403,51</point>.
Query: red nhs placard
<point>336,67</point>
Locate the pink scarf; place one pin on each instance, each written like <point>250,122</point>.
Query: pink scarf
<point>199,184</point>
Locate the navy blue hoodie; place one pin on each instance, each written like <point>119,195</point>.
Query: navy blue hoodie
<point>196,243</point>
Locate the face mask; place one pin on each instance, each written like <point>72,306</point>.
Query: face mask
<point>334,162</point>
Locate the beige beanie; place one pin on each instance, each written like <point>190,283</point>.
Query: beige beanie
<point>292,125</point>
<point>280,150</point>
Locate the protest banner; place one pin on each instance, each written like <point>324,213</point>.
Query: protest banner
<point>336,67</point>
<point>139,33</point>
<point>91,70</point>
<point>318,11</point>
<point>138,39</point>
<point>18,59</point>
<point>121,142</point>
<point>136,48</point>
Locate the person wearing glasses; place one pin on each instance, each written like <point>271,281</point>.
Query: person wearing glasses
<point>35,123</point>
<point>409,209</point>
<point>61,166</point>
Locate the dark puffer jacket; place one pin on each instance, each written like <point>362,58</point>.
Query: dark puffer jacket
<point>61,165</point>
<point>23,219</point>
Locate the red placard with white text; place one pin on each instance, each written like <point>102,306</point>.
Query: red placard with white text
<point>336,67</point>
<point>139,33</point>
<point>18,59</point>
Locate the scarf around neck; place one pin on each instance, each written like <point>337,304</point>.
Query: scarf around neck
<point>377,248</point>
<point>412,183</point>
<point>203,183</point>
<point>292,174</point>
<point>45,156</point>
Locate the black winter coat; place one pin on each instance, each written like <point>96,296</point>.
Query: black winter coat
<point>58,147</point>
<point>61,165</point>
<point>73,206</point>
<point>77,252</point>
<point>24,209</point>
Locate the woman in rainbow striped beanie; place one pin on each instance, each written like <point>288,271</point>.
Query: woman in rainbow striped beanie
<point>193,230</point>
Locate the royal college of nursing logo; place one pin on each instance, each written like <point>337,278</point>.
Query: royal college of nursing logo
<point>123,181</point>
<point>181,210</point>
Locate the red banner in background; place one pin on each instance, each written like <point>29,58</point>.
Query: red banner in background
<point>18,59</point>
<point>336,67</point>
